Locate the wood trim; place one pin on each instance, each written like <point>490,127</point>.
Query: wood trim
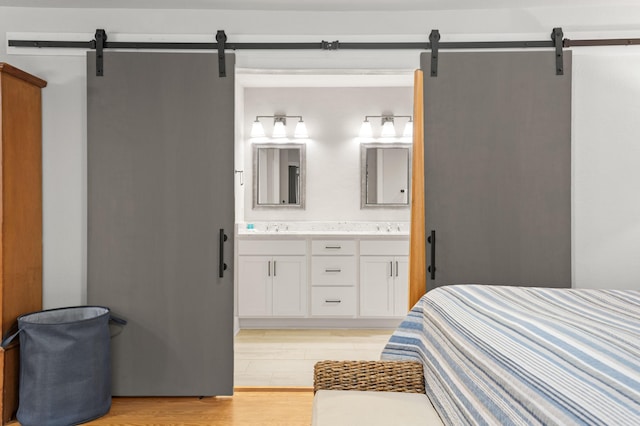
<point>417,249</point>
<point>22,75</point>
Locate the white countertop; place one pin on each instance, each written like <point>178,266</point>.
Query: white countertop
<point>324,228</point>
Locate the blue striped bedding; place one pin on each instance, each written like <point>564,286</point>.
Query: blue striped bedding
<point>497,355</point>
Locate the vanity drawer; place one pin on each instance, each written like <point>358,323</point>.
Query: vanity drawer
<point>384,248</point>
<point>272,247</point>
<point>333,301</point>
<point>333,270</point>
<point>333,247</point>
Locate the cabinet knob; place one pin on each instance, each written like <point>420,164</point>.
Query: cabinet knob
<point>332,300</point>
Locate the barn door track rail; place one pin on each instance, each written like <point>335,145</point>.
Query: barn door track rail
<point>100,43</point>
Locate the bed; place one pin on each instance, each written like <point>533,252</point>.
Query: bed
<point>513,355</point>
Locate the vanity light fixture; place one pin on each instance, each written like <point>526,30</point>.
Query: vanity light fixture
<point>408,129</point>
<point>279,127</point>
<point>388,129</point>
<point>365,130</point>
<point>301,130</point>
<point>257,131</point>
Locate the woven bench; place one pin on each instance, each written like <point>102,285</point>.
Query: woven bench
<point>371,393</point>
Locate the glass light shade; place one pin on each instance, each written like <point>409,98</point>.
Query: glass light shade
<point>257,131</point>
<point>408,129</point>
<point>365,130</point>
<point>279,130</point>
<point>388,131</point>
<point>301,130</point>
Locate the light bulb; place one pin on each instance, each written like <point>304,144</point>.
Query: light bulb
<point>388,131</point>
<point>279,130</point>
<point>301,130</point>
<point>257,131</point>
<point>365,129</point>
<point>408,129</point>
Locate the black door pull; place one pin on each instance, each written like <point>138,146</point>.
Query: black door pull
<point>221,265</point>
<point>431,239</point>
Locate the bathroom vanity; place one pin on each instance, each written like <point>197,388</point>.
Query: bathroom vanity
<point>322,274</point>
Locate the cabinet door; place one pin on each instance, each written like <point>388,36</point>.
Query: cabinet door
<point>289,285</point>
<point>401,286</point>
<point>376,286</point>
<point>254,285</point>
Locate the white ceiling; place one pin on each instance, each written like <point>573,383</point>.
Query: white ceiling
<point>314,5</point>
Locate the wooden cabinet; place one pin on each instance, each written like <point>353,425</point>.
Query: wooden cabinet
<point>272,285</point>
<point>21,214</point>
<point>384,279</point>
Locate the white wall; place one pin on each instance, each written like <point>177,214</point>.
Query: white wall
<point>606,169</point>
<point>605,208</point>
<point>333,116</point>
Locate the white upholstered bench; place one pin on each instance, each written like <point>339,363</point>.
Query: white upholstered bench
<point>371,393</point>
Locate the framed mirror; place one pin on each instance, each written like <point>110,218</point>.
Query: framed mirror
<point>279,175</point>
<point>385,175</point>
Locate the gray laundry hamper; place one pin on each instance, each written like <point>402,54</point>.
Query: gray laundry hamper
<point>65,365</point>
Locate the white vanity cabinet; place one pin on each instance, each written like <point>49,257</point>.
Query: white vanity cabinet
<point>295,279</point>
<point>384,278</point>
<point>272,278</point>
<point>333,278</point>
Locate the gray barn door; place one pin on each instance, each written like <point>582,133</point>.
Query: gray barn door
<point>498,168</point>
<point>160,189</point>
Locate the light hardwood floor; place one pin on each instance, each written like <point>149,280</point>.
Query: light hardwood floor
<point>266,408</point>
<point>273,378</point>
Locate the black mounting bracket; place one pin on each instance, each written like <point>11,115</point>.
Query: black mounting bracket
<point>556,36</point>
<point>221,38</point>
<point>434,38</point>
<point>101,38</point>
<point>330,45</point>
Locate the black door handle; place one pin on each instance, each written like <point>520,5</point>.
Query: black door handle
<point>431,239</point>
<point>221,265</point>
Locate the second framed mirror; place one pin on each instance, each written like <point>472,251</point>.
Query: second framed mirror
<point>385,175</point>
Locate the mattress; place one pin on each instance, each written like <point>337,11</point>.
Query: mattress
<point>512,355</point>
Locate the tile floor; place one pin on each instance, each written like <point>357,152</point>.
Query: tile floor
<point>286,357</point>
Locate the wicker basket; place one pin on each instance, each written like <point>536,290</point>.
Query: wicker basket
<point>385,376</point>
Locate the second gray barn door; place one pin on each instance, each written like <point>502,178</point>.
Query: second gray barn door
<point>498,168</point>
<point>160,190</point>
